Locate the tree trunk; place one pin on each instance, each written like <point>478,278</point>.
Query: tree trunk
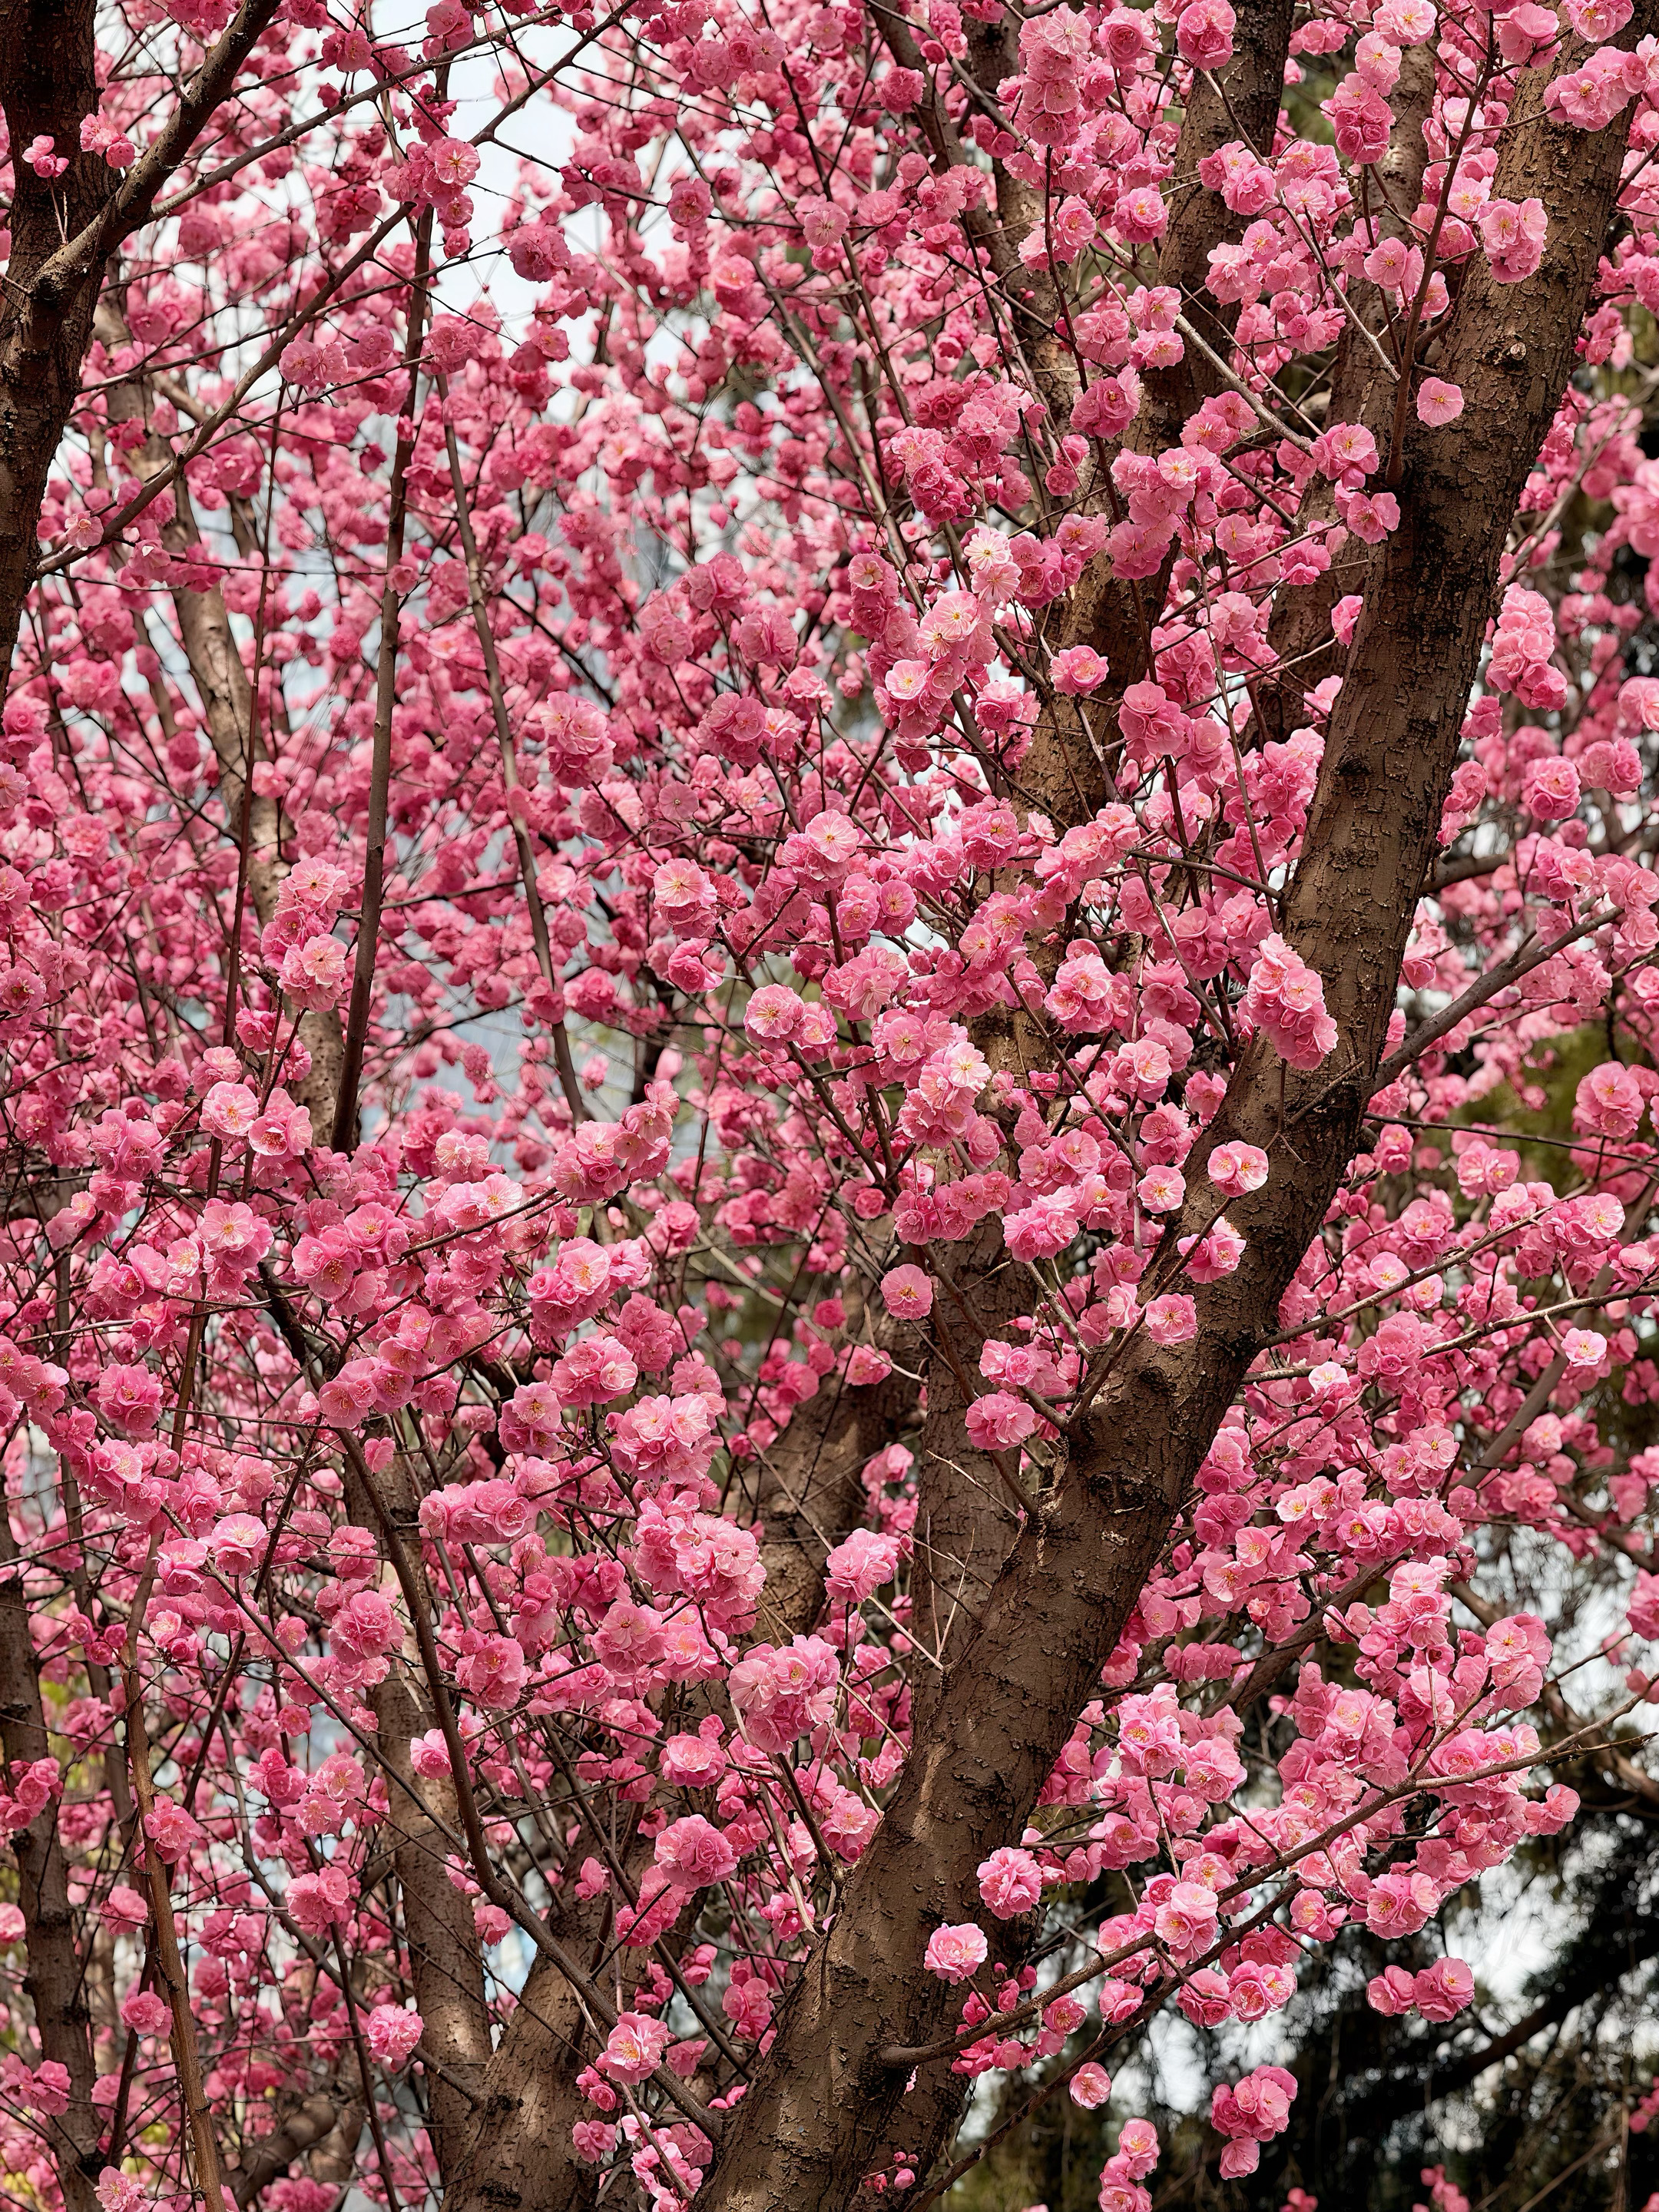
<point>519,2151</point>
<point>807,1493</point>
<point>47,86</point>
<point>53,1984</point>
<point>965,1521</point>
<point>226,702</point>
<point>63,232</point>
<point>966,1518</point>
<point>826,2095</point>
<point>1299,630</point>
<point>446,1959</point>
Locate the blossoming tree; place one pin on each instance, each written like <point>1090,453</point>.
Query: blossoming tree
<point>796,804</point>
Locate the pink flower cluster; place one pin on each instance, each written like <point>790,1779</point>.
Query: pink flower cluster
<point>1439,1992</point>
<point>1249,2113</point>
<point>1286,1001</point>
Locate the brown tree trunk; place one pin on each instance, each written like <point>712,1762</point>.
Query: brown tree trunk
<point>1299,630</point>
<point>312,2122</point>
<point>226,695</point>
<point>966,1517</point>
<point>47,85</point>
<point>519,2151</point>
<point>1243,103</point>
<point>446,1959</point>
<point>53,1984</point>
<point>966,1520</point>
<point>826,2094</point>
<point>63,232</point>
<point>806,1493</point>
<point>1067,773</point>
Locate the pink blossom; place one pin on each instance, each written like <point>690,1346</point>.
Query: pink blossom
<point>858,1566</point>
<point>1286,1000</point>
<point>41,159</point>
<point>493,1674</point>
<point>130,1398</point>
<point>1643,1608</point>
<point>391,2033</point>
<point>593,1372</point>
<point>999,1420</point>
<point>1609,1102</point>
<point>956,1954</point>
<point>146,2013</point>
<point>779,1694</point>
<point>1513,236</point>
<point>45,2089</point>
<point>774,1012</point>
<point>318,1901</point>
<point>867,1364</point>
<point>786,911</point>
<point>1091,2085</point>
<point>229,1110</point>
<point>1550,792</point>
<point>1400,1902</point>
<point>1041,1230</point>
<point>1010,1883</point>
<point>1392,1992</point>
<point>1443,1990</point>
<point>634,2048</point>
<point>692,1852</point>
<point>1186,1920</point>
<point>1080,668</point>
<point>1237,1168</point>
<point>238,1544</point>
<point>453,162</point>
<point>315,973</point>
<point>124,1910</point>
<point>1438,401</point>
<point>1161,1190</point>
<point>1072,226</point>
<point>1204,33</point>
<point>907,1292</point>
<point>1256,2108</point>
<point>1171,1318</point>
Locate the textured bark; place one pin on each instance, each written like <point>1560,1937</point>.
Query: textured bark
<point>311,2123</point>
<point>335,2159</point>
<point>53,1982</point>
<point>446,1959</point>
<point>807,1494</point>
<point>965,1525</point>
<point>47,84</point>
<point>1360,388</point>
<point>1200,220</point>
<point>1299,630</point>
<point>62,233</point>
<point>826,2096</point>
<point>923,2128</point>
<point>1066,774</point>
<point>519,2150</point>
<point>966,1519</point>
<point>225,694</point>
